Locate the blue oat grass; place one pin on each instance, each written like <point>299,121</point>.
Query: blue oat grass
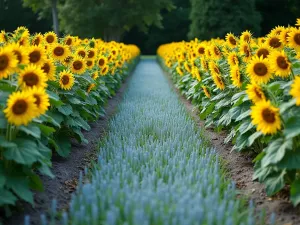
<point>154,167</point>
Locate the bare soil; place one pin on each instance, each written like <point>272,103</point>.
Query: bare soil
<point>240,170</point>
<point>66,170</point>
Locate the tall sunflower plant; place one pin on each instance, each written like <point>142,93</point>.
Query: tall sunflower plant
<point>250,88</point>
<point>50,88</point>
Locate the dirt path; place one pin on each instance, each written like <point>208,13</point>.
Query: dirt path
<point>240,169</point>
<point>67,171</point>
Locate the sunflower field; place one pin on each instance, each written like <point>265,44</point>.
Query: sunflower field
<point>249,87</point>
<point>50,89</point>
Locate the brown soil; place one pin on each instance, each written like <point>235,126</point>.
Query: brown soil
<point>66,170</point>
<point>240,169</point>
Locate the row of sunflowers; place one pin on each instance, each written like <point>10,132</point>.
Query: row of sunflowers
<point>249,87</point>
<point>50,88</point>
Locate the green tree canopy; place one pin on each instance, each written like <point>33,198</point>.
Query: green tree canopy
<point>215,18</point>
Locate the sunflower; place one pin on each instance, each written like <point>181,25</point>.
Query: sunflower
<point>214,69</point>
<point>274,42</point>
<point>187,67</point>
<point>236,76</point>
<point>298,22</point>
<point>294,38</point>
<point>204,64</point>
<point>280,64</point>
<point>32,76</point>
<point>104,70</point>
<point>266,117</point>
<point>50,37</point>
<point>208,53</point>
<point>36,55</point>
<point>78,65</point>
<point>49,69</point>
<point>245,50</point>
<point>259,70</point>
<point>90,63</point>
<point>215,51</point>
<point>21,108</point>
<point>246,36</point>
<point>41,100</point>
<point>69,40</point>
<point>276,31</point>
<point>3,36</point>
<point>179,70</point>
<point>231,40</point>
<point>66,80</point>
<point>284,36</point>
<point>91,53</point>
<point>196,73</point>
<point>91,87</point>
<point>264,51</point>
<point>37,39</point>
<point>67,61</point>
<point>59,52</point>
<point>233,59</point>
<point>255,93</point>
<point>102,61</point>
<point>295,89</point>
<point>218,81</point>
<point>95,75</point>
<point>21,53</point>
<point>206,92</point>
<point>81,52</point>
<point>8,62</point>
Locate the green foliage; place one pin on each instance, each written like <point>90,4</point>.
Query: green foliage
<point>215,18</point>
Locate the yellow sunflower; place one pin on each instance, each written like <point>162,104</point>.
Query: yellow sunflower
<point>266,117</point>
<point>206,92</point>
<point>36,55</point>
<point>50,37</point>
<point>280,64</point>
<point>298,22</point>
<point>255,93</point>
<point>231,40</point>
<point>95,75</point>
<point>91,53</point>
<point>295,89</point>
<point>32,76</point>
<point>245,50</point>
<point>41,100</point>
<point>294,38</point>
<point>67,61</point>
<point>90,63</point>
<point>59,52</point>
<point>218,81</point>
<point>216,52</point>
<point>179,70</point>
<point>21,108</point>
<point>104,70</point>
<point>21,53</point>
<point>233,59</point>
<point>187,67</point>
<point>78,65</point>
<point>274,42</point>
<point>235,75</point>
<point>102,61</point>
<point>69,40</point>
<point>246,36</point>
<point>37,39</point>
<point>66,80</point>
<point>3,37</point>
<point>214,69</point>
<point>8,62</point>
<point>284,36</point>
<point>264,51</point>
<point>49,69</point>
<point>81,52</point>
<point>204,64</point>
<point>196,74</point>
<point>91,87</point>
<point>259,70</point>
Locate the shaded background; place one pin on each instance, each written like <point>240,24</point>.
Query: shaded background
<point>149,23</point>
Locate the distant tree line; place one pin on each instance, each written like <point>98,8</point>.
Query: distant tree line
<point>149,23</point>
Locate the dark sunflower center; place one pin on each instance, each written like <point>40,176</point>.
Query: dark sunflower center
<point>37,99</point>
<point>81,53</point>
<point>260,69</point>
<point>282,63</point>
<point>36,41</point>
<point>275,42</point>
<point>50,39</point>
<point>21,42</point>
<point>247,38</point>
<point>59,51</point>
<point>91,54</point>
<point>68,59</point>
<point>114,52</point>
<point>268,115</point>
<point>3,62</point>
<point>19,55</point>
<point>258,93</point>
<point>20,107</point>
<point>246,51</point>
<point>89,63</point>
<point>77,65</point>
<point>65,80</point>
<point>101,62</point>
<point>201,50</point>
<point>34,56</point>
<point>232,40</point>
<point>46,68</point>
<point>69,41</point>
<point>216,69</point>
<point>219,80</point>
<point>263,52</point>
<point>31,79</point>
<point>104,70</point>
<point>297,38</point>
<point>216,50</point>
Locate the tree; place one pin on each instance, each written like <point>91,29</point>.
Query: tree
<point>215,18</point>
<point>44,7</point>
<point>110,18</point>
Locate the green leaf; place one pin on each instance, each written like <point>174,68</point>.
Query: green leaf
<point>36,183</point>
<point>45,170</point>
<point>244,115</point>
<point>6,144</point>
<point>295,192</point>
<point>20,186</point>
<point>246,126</point>
<point>253,137</point>
<point>291,160</point>
<point>276,151</point>
<point>274,183</point>
<point>54,99</point>
<point>63,146</point>
<point>32,130</point>
<point>292,127</point>
<point>2,176</point>
<point>7,198</point>
<point>3,121</point>
<point>65,109</point>
<point>25,153</point>
<point>286,105</point>
<point>46,130</point>
<point>75,101</point>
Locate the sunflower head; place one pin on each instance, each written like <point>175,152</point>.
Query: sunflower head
<point>66,80</point>
<point>233,59</point>
<point>21,53</point>
<point>37,39</point>
<point>266,117</point>
<point>49,69</point>
<point>284,36</point>
<point>214,68</point>
<point>104,70</point>
<point>219,81</point>
<point>259,70</point>
<point>78,65</point>
<point>36,55</point>
<point>21,108</point>
<point>179,70</point>
<point>69,40</point>
<point>95,75</point>
<point>216,52</point>
<point>280,63</point>
<point>90,63</point>
<point>235,75</point>
<point>255,93</point>
<point>295,90</point>
<point>91,53</point>
<point>187,67</point>
<point>41,100</point>
<point>246,36</point>
<point>91,86</point>
<point>206,91</point>
<point>294,38</point>
<point>50,37</point>
<point>8,62</point>
<point>81,52</point>
<point>263,51</point>
<point>231,40</point>
<point>59,52</point>
<point>245,50</point>
<point>274,42</point>
<point>102,61</point>
<point>32,76</point>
